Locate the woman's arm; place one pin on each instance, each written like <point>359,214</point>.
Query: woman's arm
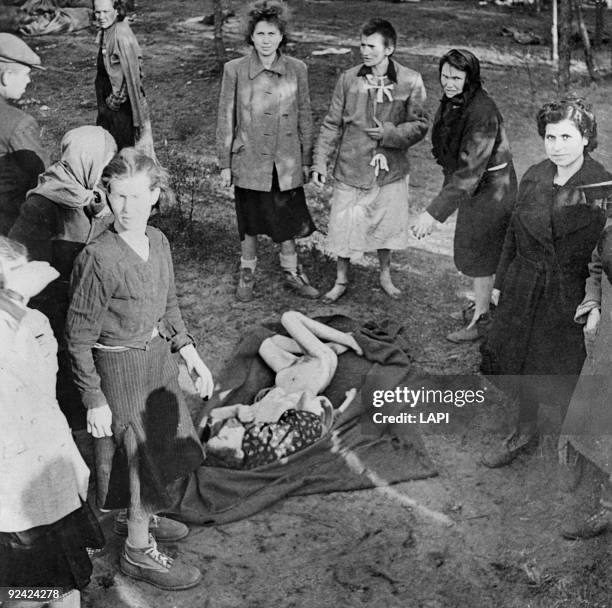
<point>331,129</point>
<point>226,117</point>
<point>475,150</point>
<point>305,126</point>
<point>91,288</point>
<point>415,125</point>
<point>508,254</point>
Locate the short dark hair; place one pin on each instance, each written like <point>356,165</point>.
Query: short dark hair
<point>271,11</point>
<point>467,62</point>
<point>120,6</point>
<point>382,27</point>
<point>574,109</point>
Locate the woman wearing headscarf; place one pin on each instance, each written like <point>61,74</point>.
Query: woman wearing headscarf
<point>60,216</point>
<point>470,143</point>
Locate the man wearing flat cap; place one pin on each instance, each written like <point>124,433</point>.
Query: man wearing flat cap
<point>22,157</point>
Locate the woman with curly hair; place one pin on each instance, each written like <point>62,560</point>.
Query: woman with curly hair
<point>534,341</point>
<point>122,107</point>
<point>264,146</point>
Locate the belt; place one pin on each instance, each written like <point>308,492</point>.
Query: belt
<point>120,349</point>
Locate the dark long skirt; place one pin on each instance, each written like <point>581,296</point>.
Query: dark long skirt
<point>54,555</point>
<point>280,215</point>
<point>154,442</point>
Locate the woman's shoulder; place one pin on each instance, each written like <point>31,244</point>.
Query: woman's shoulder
<point>234,65</point>
<point>482,105</point>
<point>104,250</point>
<point>295,63</point>
<point>593,170</point>
<point>123,31</point>
<point>157,237</point>
<point>545,169</point>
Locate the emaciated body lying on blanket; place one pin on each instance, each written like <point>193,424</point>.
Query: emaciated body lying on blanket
<point>288,416</point>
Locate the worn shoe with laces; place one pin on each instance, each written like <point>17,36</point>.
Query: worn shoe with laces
<point>246,284</point>
<point>475,332</point>
<point>519,441</point>
<point>156,568</point>
<point>593,525</point>
<point>298,282</point>
<point>163,529</point>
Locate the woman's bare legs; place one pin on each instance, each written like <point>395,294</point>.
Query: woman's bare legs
<point>337,291</point>
<point>384,260</point>
<point>309,334</point>
<point>483,286</point>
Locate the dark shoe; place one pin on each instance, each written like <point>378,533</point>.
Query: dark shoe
<point>516,443</point>
<point>157,568</point>
<point>595,524</point>
<point>298,282</point>
<point>163,529</point>
<point>467,313</point>
<point>470,334</point>
<point>246,283</point>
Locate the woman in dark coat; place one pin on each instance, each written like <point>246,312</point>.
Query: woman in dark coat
<point>470,143</point>
<point>60,216</point>
<point>533,341</point>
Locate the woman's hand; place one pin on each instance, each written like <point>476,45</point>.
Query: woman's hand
<point>204,382</point>
<point>424,225</point>
<point>377,132</point>
<point>317,179</point>
<point>99,421</point>
<point>590,329</point>
<point>245,413</point>
<point>495,293</point>
<point>226,177</point>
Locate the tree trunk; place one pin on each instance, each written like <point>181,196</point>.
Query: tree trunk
<point>586,42</point>
<point>218,34</point>
<point>565,51</point>
<point>600,12</point>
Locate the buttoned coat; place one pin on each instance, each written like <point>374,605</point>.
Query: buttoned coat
<point>264,121</point>
<point>353,108</point>
<point>541,276</point>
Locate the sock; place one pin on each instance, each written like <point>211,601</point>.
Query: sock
<point>289,263</point>
<point>252,263</point>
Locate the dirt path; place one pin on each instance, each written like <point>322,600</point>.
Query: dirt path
<point>374,548</point>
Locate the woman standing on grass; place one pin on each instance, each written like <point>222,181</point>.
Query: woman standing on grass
<point>533,341</point>
<point>264,146</point>
<point>123,323</point>
<point>122,107</point>
<point>470,143</point>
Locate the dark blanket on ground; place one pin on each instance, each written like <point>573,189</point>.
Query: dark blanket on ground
<point>355,454</point>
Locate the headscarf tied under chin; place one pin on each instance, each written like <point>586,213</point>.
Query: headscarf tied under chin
<point>71,181</point>
<point>451,108</point>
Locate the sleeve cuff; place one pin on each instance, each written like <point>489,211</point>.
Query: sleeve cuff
<point>94,400</point>
<point>584,308</point>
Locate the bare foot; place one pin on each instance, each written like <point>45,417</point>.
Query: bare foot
<point>336,292</point>
<point>388,286</point>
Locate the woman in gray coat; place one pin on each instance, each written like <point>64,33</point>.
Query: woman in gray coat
<point>264,146</point>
